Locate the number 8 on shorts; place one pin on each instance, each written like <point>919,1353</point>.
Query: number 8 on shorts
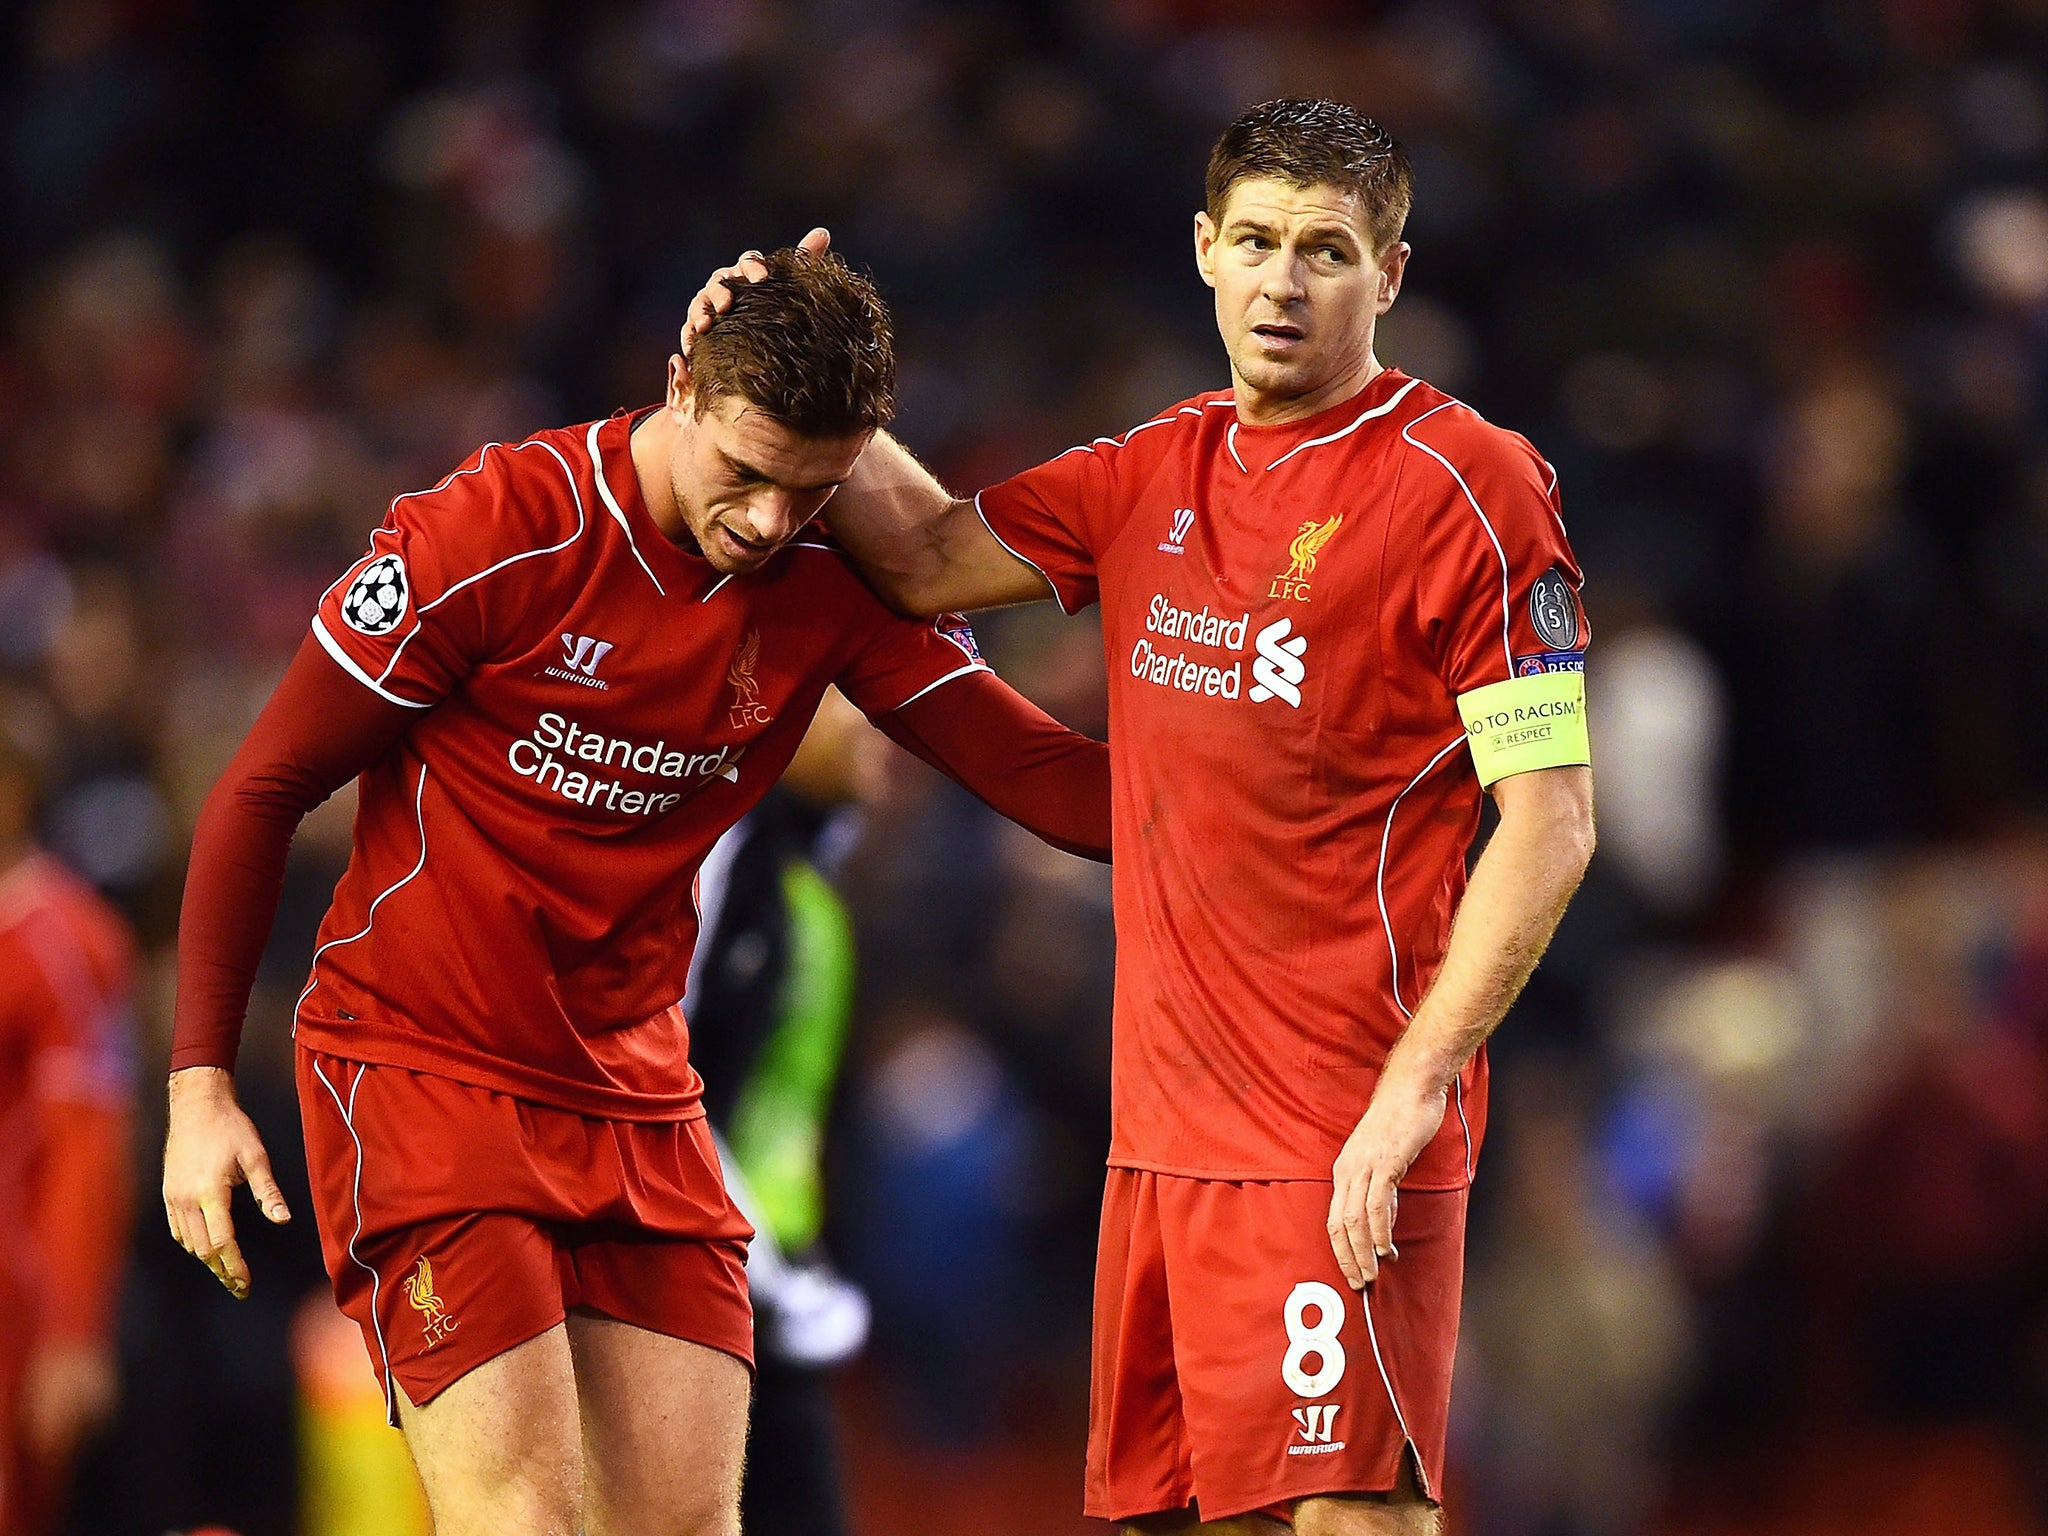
<point>1319,1343</point>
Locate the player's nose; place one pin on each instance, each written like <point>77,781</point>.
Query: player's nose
<point>1281,280</point>
<point>771,515</point>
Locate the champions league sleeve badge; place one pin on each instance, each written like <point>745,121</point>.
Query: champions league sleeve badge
<point>1554,611</point>
<point>376,599</point>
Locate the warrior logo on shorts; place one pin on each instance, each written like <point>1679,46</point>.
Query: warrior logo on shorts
<point>747,708</point>
<point>436,1324</point>
<point>375,600</point>
<point>1301,555</point>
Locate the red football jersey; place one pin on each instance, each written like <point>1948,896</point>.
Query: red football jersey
<point>1290,615</point>
<point>67,1037</point>
<point>596,707</point>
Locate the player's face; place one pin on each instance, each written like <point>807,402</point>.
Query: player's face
<point>745,483</point>
<point>1298,290</point>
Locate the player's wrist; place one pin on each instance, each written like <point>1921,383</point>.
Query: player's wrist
<point>210,1084</point>
<point>1409,1076</point>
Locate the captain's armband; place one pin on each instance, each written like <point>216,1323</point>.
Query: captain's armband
<point>1526,723</point>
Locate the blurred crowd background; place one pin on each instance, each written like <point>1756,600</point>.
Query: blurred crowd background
<point>1761,1237</point>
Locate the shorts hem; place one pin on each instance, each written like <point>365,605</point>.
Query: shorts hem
<point>697,1336</point>
<point>1211,1176</point>
<point>441,1379</point>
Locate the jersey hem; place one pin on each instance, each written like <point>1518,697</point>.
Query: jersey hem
<point>359,1040</point>
<point>1263,1176</point>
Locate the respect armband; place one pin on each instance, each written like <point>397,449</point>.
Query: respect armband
<point>1527,723</point>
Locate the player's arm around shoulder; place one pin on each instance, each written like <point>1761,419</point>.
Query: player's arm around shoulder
<point>924,550</point>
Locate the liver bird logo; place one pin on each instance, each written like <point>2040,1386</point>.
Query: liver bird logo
<point>1308,543</point>
<point>419,1290</point>
<point>741,671</point>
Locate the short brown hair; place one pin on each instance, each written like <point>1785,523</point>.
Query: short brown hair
<point>810,345</point>
<point>1311,142</point>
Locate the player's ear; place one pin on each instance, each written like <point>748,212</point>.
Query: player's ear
<point>1393,267</point>
<point>1205,248</point>
<point>679,390</point>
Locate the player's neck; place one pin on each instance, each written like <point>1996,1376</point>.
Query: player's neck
<point>653,446</point>
<point>1260,408</point>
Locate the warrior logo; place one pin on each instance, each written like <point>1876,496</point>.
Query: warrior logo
<point>435,1323</point>
<point>1308,543</point>
<point>747,708</point>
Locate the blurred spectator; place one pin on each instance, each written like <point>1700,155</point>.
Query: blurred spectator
<point>66,1180</point>
<point>1576,1334</point>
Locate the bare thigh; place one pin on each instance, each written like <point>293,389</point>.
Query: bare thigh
<point>1404,1512</point>
<point>499,1451</point>
<point>664,1431</point>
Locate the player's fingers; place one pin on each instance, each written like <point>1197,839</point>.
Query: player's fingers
<point>750,268</point>
<point>817,242</point>
<point>176,1224</point>
<point>1382,1201</point>
<point>1346,1235</point>
<point>263,1185</point>
<point>224,1254</point>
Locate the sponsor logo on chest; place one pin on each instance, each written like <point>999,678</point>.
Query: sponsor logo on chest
<point>1278,667</point>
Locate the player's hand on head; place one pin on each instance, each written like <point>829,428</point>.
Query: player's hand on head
<point>715,297</point>
<point>211,1147</point>
<point>1365,1198</point>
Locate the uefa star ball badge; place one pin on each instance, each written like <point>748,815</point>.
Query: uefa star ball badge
<point>375,600</point>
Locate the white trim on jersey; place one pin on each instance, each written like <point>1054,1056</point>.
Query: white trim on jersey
<point>1369,414</point>
<point>423,609</point>
<point>707,896</point>
<point>347,1113</point>
<point>1506,611</point>
<point>1230,442</point>
<point>1458,1098</point>
<point>1380,874</point>
<point>348,664</point>
<point>612,506</point>
<point>1118,442</point>
<point>792,544</point>
<point>1057,595</point>
<point>1372,1333</point>
<point>972,666</point>
<point>370,917</point>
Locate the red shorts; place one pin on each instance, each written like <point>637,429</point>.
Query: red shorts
<point>1235,1370</point>
<point>457,1222</point>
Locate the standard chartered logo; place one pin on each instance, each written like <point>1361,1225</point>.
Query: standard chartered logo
<point>1277,670</point>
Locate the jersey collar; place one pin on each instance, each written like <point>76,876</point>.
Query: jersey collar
<point>1258,449</point>
<point>677,570</point>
